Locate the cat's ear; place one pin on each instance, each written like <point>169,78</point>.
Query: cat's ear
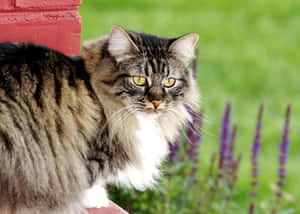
<point>184,47</point>
<point>120,45</point>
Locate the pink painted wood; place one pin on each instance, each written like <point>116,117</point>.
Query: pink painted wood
<point>46,3</point>
<point>112,209</point>
<point>53,23</point>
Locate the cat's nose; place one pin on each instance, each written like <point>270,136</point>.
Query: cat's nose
<point>156,103</point>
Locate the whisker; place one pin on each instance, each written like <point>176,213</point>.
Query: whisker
<point>203,129</point>
<point>175,115</point>
<point>119,122</point>
<point>114,115</point>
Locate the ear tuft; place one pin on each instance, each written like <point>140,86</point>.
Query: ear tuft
<point>120,44</point>
<point>184,47</point>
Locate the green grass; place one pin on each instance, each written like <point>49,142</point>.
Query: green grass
<point>249,54</point>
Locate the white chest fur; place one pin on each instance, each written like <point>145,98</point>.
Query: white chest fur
<point>147,138</point>
<point>150,147</point>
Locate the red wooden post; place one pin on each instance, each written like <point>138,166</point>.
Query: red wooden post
<point>52,23</point>
<point>112,209</point>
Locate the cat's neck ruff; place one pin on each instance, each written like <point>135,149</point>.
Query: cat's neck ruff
<point>149,147</point>
<point>148,135</point>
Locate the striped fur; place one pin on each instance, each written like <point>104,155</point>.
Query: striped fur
<point>67,122</point>
<point>49,116</point>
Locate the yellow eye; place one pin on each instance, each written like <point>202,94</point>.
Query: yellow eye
<point>140,81</point>
<point>169,82</point>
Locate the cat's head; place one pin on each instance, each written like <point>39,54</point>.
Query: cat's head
<point>142,72</point>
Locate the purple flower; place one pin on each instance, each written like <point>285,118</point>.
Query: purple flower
<point>231,164</point>
<point>231,145</point>
<point>212,164</point>
<point>281,183</point>
<point>174,148</point>
<point>251,208</point>
<point>255,172</point>
<point>278,194</point>
<point>234,171</point>
<point>255,154</point>
<point>193,179</point>
<point>194,135</point>
<point>283,153</point>
<point>224,138</point>
<point>257,142</point>
<point>281,172</point>
<point>193,139</point>
<point>253,194</point>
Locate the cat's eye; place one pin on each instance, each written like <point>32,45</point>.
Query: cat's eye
<point>169,82</point>
<point>138,80</point>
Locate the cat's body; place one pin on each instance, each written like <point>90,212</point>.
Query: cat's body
<point>49,120</point>
<point>70,123</point>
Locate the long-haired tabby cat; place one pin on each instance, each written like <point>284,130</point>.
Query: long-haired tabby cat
<point>70,125</point>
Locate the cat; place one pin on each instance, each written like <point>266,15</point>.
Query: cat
<point>69,125</point>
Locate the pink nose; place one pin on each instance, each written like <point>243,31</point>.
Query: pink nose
<point>156,103</point>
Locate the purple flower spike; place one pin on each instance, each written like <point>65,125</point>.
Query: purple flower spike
<point>231,165</point>
<point>283,153</point>
<point>282,172</point>
<point>212,164</point>
<point>234,167</point>
<point>194,135</point>
<point>251,208</point>
<point>255,154</point>
<point>224,138</point>
<point>278,194</point>
<point>285,142</point>
<point>193,179</point>
<point>174,148</point>
<point>253,194</point>
<point>193,140</point>
<point>231,145</point>
<point>255,172</point>
<point>280,183</point>
<point>257,142</point>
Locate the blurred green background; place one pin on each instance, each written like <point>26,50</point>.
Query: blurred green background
<point>248,54</point>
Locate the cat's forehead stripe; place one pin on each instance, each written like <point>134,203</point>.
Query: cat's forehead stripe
<point>156,66</point>
<point>151,64</point>
<point>146,69</point>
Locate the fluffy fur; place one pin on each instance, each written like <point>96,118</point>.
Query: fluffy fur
<point>73,123</point>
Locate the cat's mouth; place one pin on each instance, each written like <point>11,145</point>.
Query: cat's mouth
<point>155,106</point>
